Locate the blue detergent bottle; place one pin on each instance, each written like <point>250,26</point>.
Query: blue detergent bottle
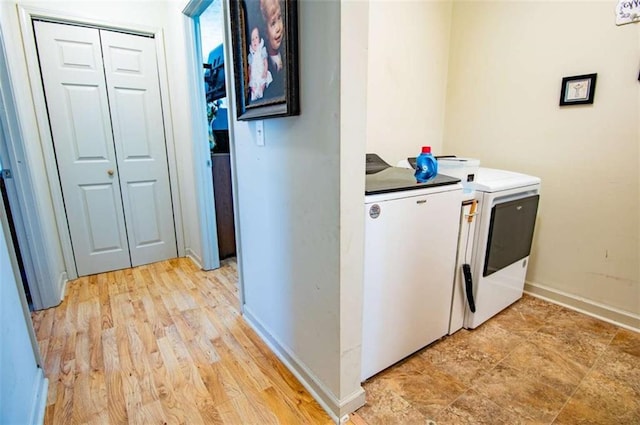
<point>426,165</point>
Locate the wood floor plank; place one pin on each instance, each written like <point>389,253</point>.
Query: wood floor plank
<point>98,393</point>
<point>220,383</point>
<point>245,371</point>
<point>283,411</point>
<point>95,336</point>
<point>82,353</point>
<point>125,359</point>
<point>229,414</point>
<point>178,381</point>
<point>52,363</point>
<point>106,320</point>
<point>282,378</point>
<point>151,413</point>
<point>115,398</point>
<point>170,405</point>
<point>44,322</point>
<point>163,343</point>
<point>113,380</point>
<point>141,367</point>
<point>248,413</point>
<point>64,398</point>
<point>82,406</point>
<point>133,397</point>
<point>49,413</point>
<point>101,418</point>
<point>356,419</point>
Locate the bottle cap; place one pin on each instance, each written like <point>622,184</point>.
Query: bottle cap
<point>426,149</point>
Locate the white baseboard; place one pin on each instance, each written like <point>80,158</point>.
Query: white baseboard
<point>338,410</point>
<point>40,398</point>
<point>600,311</point>
<point>194,257</point>
<point>62,284</point>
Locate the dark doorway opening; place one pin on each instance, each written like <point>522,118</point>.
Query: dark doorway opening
<point>14,239</point>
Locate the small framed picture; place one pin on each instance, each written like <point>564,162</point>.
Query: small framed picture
<point>578,90</point>
<point>265,58</point>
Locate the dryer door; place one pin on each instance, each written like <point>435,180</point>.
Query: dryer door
<point>510,233</point>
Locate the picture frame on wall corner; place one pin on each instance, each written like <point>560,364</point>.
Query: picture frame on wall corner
<point>264,37</point>
<point>578,90</point>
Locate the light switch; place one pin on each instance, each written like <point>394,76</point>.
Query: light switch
<point>260,133</point>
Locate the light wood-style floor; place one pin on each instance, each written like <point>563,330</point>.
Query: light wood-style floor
<point>164,344</point>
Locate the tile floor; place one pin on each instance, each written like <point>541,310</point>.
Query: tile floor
<point>534,363</point>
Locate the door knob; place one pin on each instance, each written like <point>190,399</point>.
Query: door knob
<point>110,172</point>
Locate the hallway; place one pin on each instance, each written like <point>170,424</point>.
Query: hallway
<point>163,343</point>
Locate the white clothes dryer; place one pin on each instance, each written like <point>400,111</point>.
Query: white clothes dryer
<point>506,216</point>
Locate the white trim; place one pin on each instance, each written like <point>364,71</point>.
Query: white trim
<point>583,305</point>
<point>231,96</point>
<point>195,7</point>
<point>201,156</point>
<point>9,161</point>
<point>170,142</point>
<point>63,279</point>
<point>37,261</point>
<point>194,257</point>
<point>351,403</point>
<point>27,15</point>
<point>39,106</point>
<point>335,408</point>
<point>40,398</point>
<point>13,259</point>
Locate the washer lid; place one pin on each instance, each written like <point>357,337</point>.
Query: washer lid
<point>383,178</point>
<point>493,180</point>
<point>395,179</point>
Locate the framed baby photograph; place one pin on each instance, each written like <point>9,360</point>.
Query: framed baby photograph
<point>578,90</point>
<point>265,58</point>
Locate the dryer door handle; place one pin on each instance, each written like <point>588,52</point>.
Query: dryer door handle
<point>468,286</point>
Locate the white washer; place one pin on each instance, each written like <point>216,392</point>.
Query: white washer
<point>508,204</point>
<point>411,233</point>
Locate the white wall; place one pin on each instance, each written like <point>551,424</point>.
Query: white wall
<point>507,61</point>
<point>354,37</point>
<point>23,386</point>
<point>407,76</point>
<point>288,198</point>
<point>177,36</point>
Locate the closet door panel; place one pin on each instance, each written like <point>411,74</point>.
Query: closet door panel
<point>136,112</point>
<point>74,84</point>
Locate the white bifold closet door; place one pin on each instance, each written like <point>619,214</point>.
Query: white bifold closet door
<point>103,99</point>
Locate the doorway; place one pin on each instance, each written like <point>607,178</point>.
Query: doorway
<point>207,53</point>
<point>211,31</point>
<point>4,192</point>
<point>104,108</point>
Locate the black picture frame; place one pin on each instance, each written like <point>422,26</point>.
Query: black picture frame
<point>274,93</point>
<point>578,90</point>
